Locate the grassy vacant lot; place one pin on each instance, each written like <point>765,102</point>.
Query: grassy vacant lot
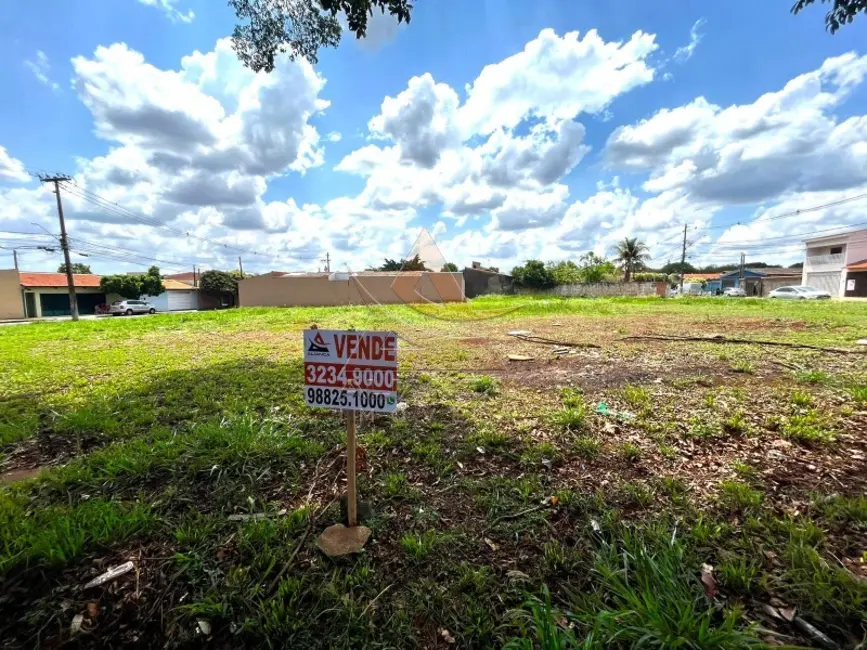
<point>639,494</point>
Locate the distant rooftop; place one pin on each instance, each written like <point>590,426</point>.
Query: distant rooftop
<point>57,280</point>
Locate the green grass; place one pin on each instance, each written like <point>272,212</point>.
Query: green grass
<point>859,394</point>
<point>814,377</point>
<point>420,547</point>
<point>810,428</point>
<point>59,534</point>
<point>155,431</point>
<point>637,396</point>
<point>843,510</point>
<point>643,594</point>
<point>743,366</point>
<point>485,385</point>
<point>571,418</point>
<point>630,452</point>
<point>572,398</point>
<point>739,496</point>
<point>736,424</point>
<point>587,447</point>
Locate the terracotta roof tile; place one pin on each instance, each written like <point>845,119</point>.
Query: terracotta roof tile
<point>700,276</point>
<point>175,285</point>
<point>57,280</point>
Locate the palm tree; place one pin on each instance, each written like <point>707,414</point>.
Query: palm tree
<point>631,254</point>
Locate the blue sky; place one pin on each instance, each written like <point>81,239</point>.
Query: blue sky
<point>668,113</point>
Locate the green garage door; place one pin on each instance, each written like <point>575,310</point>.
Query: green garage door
<point>57,304</point>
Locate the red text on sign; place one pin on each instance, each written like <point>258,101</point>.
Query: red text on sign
<point>364,347</point>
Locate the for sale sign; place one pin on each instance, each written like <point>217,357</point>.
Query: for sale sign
<point>347,369</point>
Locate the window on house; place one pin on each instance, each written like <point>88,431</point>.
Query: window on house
<point>836,250</point>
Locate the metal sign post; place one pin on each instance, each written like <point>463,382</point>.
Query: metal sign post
<point>352,371</point>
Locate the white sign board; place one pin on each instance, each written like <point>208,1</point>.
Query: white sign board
<point>352,370</point>
<point>850,285</point>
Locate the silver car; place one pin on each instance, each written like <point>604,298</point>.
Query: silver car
<point>130,307</point>
<point>799,293</point>
<point>735,292</point>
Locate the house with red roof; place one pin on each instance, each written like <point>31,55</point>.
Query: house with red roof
<point>39,295</point>
<point>47,294</point>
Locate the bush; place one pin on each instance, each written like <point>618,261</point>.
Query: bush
<point>649,277</point>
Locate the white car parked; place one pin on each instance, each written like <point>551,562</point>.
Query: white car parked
<point>735,292</point>
<point>130,307</point>
<point>799,293</point>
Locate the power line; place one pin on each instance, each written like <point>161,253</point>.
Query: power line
<point>119,210</point>
<point>126,260</point>
<point>83,243</point>
<point>795,236</point>
<point>32,234</point>
<point>793,213</point>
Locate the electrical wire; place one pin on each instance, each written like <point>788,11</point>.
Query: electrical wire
<point>99,248</point>
<point>32,234</point>
<point>119,210</point>
<point>125,260</point>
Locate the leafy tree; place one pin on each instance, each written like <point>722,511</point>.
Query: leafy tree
<point>134,286</point>
<point>126,286</point>
<point>595,268</point>
<point>678,268</point>
<point>534,275</point>
<point>390,265</point>
<point>796,265</point>
<point>494,269</point>
<point>450,267</point>
<point>565,272</point>
<point>631,254</point>
<point>77,267</point>
<point>842,13</point>
<point>412,264</point>
<point>215,281</point>
<point>267,28</point>
<point>151,283</point>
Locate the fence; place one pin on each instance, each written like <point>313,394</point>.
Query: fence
<point>324,289</point>
<point>478,282</point>
<point>600,289</point>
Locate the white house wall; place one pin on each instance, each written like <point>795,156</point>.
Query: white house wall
<point>856,248</point>
<point>161,302</point>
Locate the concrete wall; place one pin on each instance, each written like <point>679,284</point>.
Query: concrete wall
<point>769,284</point>
<point>856,248</point>
<point>599,289</point>
<point>478,282</point>
<point>318,290</point>
<point>11,302</point>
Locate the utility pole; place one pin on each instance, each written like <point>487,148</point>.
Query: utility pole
<point>327,261</point>
<point>683,260</point>
<point>241,267</point>
<point>15,258</point>
<point>64,242</point>
<point>195,281</point>
<point>741,273</point>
